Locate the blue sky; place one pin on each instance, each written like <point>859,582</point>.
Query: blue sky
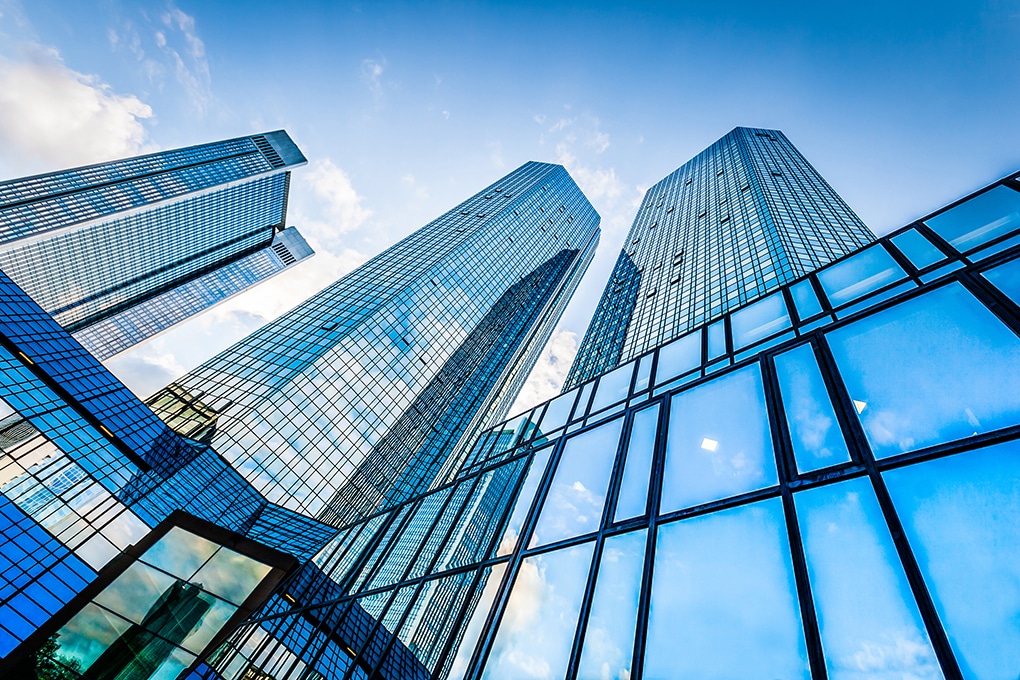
<point>405,109</point>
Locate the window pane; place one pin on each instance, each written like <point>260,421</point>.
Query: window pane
<point>632,500</point>
<point>679,357</point>
<point>867,617</point>
<point>609,636</point>
<point>231,575</point>
<point>557,412</point>
<point>1006,277</point>
<point>489,584</point>
<point>930,370</point>
<point>717,339</point>
<point>718,443</point>
<point>859,275</point>
<point>711,615</point>
<point>644,373</point>
<point>758,321</point>
<point>613,387</point>
<point>817,440</point>
<point>180,552</point>
<point>917,248</point>
<point>805,299</point>
<point>537,628</point>
<point>961,515</point>
<point>523,504</point>
<point>979,220</point>
<point>577,495</point>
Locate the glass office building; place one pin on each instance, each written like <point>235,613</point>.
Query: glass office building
<point>367,392</point>
<point>120,251</point>
<point>829,488</point>
<point>740,219</point>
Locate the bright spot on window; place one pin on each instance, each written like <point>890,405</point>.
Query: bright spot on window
<point>860,405</point>
<point>709,444</point>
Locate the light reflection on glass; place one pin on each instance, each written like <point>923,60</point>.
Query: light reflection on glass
<point>180,552</point>
<point>1006,277</point>
<point>961,515</point>
<point>678,357</point>
<point>632,499</point>
<point>537,627</point>
<point>574,503</point>
<point>231,575</point>
<point>917,248</point>
<point>817,441</point>
<point>558,411</point>
<point>759,320</point>
<point>933,369</point>
<point>609,635</point>
<point>723,601</point>
<point>979,220</point>
<point>868,620</point>
<point>805,299</point>
<point>717,339</point>
<point>491,578</point>
<point>860,274</point>
<point>520,512</point>
<point>718,443</point>
<point>613,387</point>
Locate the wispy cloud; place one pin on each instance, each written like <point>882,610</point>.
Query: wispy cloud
<point>180,42</point>
<point>546,380</point>
<point>371,74</point>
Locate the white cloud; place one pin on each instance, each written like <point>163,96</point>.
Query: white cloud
<point>335,207</point>
<point>54,117</point>
<point>596,183</point>
<point>546,380</point>
<point>190,68</point>
<point>371,73</point>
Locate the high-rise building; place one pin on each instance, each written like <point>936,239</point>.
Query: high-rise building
<point>740,219</point>
<point>122,250</point>
<point>364,394</point>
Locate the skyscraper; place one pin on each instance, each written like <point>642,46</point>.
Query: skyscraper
<point>120,251</point>
<point>740,219</point>
<point>326,399</point>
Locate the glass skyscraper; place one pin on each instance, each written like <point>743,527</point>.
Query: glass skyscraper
<point>120,251</point>
<point>740,219</point>
<point>364,394</point>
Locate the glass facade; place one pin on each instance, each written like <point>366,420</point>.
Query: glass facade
<point>368,393</point>
<point>742,218</point>
<point>123,250</point>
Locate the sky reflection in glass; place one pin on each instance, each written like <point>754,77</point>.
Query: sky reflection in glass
<point>609,635</point>
<point>917,248</point>
<point>632,499</point>
<point>719,443</point>
<point>577,495</point>
<point>491,578</point>
<point>679,357</point>
<point>613,387</point>
<point>759,320</point>
<point>961,515</point>
<point>537,628</point>
<point>979,220</point>
<point>944,345</point>
<point>558,411</point>
<point>858,275</point>
<point>717,339</point>
<point>711,614</point>
<point>1006,277</point>
<point>817,440</point>
<point>868,619</point>
<point>520,512</point>
<point>805,299</point>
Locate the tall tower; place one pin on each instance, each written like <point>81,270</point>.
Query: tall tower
<point>362,394</point>
<point>120,251</point>
<point>740,219</point>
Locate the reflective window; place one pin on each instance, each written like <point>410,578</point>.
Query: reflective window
<point>718,441</point>
<point>710,614</point>
<point>759,320</point>
<point>917,248</point>
<point>1006,277</point>
<point>613,387</point>
<point>632,500</point>
<point>537,627</point>
<point>609,635</point>
<point>859,275</point>
<point>805,299</point>
<point>930,370</point>
<point>678,357</point>
<point>573,505</point>
<point>717,339</point>
<point>644,373</point>
<point>523,503</point>
<point>961,515</point>
<point>867,617</point>
<point>814,430</point>
<point>979,220</point>
<point>558,411</point>
<point>489,584</point>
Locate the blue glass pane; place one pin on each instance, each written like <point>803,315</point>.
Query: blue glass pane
<point>678,357</point>
<point>759,321</point>
<point>489,584</point>
<point>718,443</point>
<point>558,411</point>
<point>632,500</point>
<point>867,616</point>
<point>574,503</point>
<point>716,339</point>
<point>537,628</point>
<point>979,220</point>
<point>859,275</point>
<point>961,515</point>
<point>609,635</point>
<point>933,369</point>
<point>613,387</point>
<point>1006,277</point>
<point>917,248</point>
<point>814,430</point>
<point>644,373</point>
<point>724,602</point>
<point>805,299</point>
<point>523,503</point>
